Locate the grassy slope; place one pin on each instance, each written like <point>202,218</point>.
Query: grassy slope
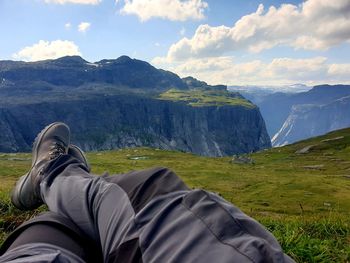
<point>304,199</point>
<point>200,97</point>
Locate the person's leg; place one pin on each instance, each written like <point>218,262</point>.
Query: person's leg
<point>102,210</point>
<point>144,185</point>
<point>57,233</point>
<point>176,226</point>
<point>105,207</point>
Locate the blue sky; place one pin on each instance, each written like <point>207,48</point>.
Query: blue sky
<point>234,42</point>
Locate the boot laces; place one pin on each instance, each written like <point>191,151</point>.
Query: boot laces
<point>57,149</point>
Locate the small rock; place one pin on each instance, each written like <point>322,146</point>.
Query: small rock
<point>305,149</point>
<point>138,158</point>
<point>314,167</point>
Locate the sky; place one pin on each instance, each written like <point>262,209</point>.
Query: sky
<point>231,42</point>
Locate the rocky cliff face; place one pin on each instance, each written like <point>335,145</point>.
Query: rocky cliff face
<point>282,110</point>
<point>113,104</point>
<point>124,121</point>
<point>310,120</point>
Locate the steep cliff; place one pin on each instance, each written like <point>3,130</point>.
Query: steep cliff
<point>276,107</point>
<point>310,120</point>
<point>128,121</point>
<point>121,103</point>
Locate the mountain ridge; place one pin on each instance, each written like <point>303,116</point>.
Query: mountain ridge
<point>278,109</point>
<point>75,71</point>
<point>112,104</point>
<point>315,120</point>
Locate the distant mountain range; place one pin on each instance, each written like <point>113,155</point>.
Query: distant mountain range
<point>124,102</point>
<point>291,117</point>
<point>261,90</point>
<point>309,120</point>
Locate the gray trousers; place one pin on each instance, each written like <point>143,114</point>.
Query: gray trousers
<point>147,216</point>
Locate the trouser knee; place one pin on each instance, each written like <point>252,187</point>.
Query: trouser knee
<point>142,186</point>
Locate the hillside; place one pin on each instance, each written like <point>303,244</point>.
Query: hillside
<point>291,117</point>
<point>74,71</point>
<point>309,120</point>
<point>113,104</point>
<point>322,109</point>
<point>301,192</point>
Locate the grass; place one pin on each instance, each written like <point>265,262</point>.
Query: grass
<point>304,199</point>
<point>200,98</point>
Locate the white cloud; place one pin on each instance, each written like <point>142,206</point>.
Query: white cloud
<point>82,2</point>
<point>339,69</point>
<point>296,69</point>
<point>278,71</point>
<point>313,25</point>
<point>68,25</point>
<point>83,27</point>
<point>339,72</point>
<point>175,10</point>
<point>47,50</point>
<point>204,65</point>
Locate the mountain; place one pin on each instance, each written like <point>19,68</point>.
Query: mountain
<point>127,121</point>
<point>74,71</point>
<point>307,121</point>
<point>261,90</point>
<point>284,112</point>
<point>125,102</point>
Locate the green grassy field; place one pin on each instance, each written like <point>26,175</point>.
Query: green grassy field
<point>200,98</point>
<point>303,198</point>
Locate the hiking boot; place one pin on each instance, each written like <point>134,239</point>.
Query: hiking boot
<point>78,153</point>
<point>50,143</point>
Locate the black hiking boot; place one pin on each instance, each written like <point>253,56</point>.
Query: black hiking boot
<point>78,153</point>
<point>51,142</point>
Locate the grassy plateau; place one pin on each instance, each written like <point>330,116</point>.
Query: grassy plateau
<point>300,192</point>
<point>201,97</point>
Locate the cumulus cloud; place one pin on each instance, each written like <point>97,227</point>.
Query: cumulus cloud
<point>47,50</point>
<point>83,27</point>
<point>278,71</point>
<point>312,25</point>
<point>296,69</point>
<point>175,10</point>
<point>68,25</point>
<point>339,72</point>
<point>339,69</point>
<point>82,2</point>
